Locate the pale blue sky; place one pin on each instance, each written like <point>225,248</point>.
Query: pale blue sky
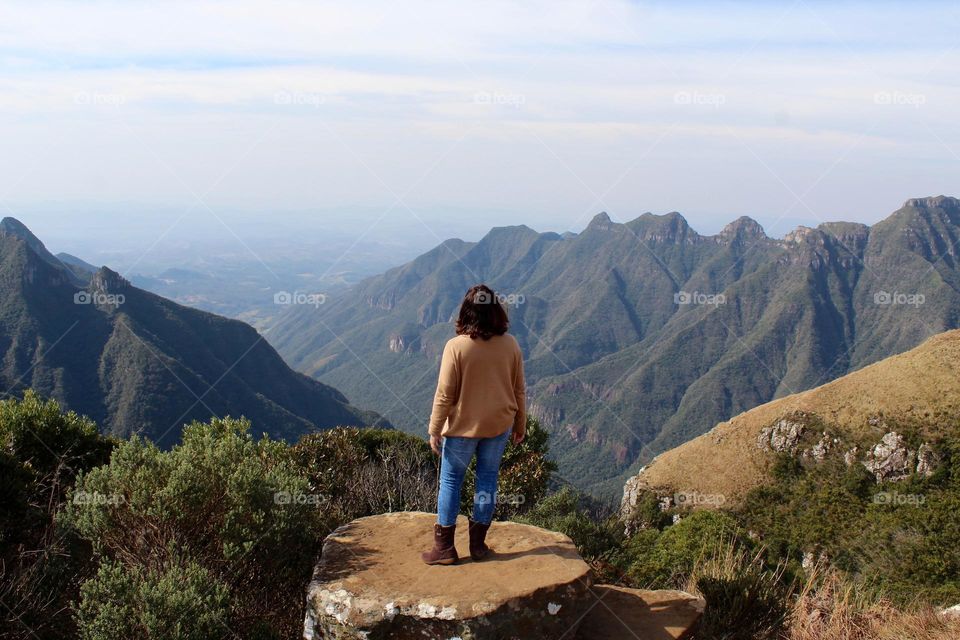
<point>447,118</point>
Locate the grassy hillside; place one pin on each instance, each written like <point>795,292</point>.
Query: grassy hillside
<point>920,387</point>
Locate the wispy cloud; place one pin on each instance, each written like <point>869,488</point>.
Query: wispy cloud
<point>93,93</point>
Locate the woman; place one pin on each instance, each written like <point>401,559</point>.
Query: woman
<point>480,402</point>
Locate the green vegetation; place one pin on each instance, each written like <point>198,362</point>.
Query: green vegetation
<point>214,538</point>
<point>899,538</point>
<point>42,451</point>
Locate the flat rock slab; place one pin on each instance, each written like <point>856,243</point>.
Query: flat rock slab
<point>619,613</point>
<point>370,583</point>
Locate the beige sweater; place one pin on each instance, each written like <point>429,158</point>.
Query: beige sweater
<point>481,392</point>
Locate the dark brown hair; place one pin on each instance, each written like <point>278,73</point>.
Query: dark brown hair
<point>481,314</point>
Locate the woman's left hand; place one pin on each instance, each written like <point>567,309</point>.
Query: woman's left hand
<point>435,443</point>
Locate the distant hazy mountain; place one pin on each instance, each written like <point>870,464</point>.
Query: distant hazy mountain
<point>81,268</point>
<point>138,363</point>
<point>642,335</point>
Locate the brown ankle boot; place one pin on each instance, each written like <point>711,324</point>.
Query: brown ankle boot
<point>478,548</point>
<point>443,551</point>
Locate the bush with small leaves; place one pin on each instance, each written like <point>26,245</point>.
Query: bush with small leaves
<point>42,449</point>
<point>234,506</point>
<point>664,560</point>
<point>154,603</point>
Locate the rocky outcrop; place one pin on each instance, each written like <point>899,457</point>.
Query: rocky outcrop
<point>951,613</point>
<point>890,459</point>
<point>631,493</point>
<point>820,450</point>
<point>370,583</point>
<point>782,437</point>
<point>927,461</point>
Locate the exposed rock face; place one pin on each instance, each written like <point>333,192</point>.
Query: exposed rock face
<point>951,613</point>
<point>927,461</point>
<point>781,437</point>
<point>811,561</point>
<point>890,459</point>
<point>820,450</point>
<point>631,493</point>
<point>850,457</point>
<point>370,583</point>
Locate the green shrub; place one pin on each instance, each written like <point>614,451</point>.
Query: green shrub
<point>362,472</point>
<point>42,449</point>
<point>235,507</point>
<point>562,512</point>
<point>664,560</point>
<point>169,603</point>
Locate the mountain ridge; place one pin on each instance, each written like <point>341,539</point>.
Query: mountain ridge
<point>138,363</point>
<point>652,331</point>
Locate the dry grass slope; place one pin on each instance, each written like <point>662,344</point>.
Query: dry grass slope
<point>726,459</point>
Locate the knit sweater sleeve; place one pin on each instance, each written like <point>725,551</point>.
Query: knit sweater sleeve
<point>520,393</point>
<point>448,389</point>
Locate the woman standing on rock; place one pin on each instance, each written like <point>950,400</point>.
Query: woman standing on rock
<point>479,403</point>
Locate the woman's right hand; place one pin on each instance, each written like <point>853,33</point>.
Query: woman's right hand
<point>517,438</point>
<point>435,444</point>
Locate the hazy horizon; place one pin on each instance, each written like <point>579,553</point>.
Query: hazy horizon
<point>134,127</point>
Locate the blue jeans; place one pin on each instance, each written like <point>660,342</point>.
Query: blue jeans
<point>455,458</point>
